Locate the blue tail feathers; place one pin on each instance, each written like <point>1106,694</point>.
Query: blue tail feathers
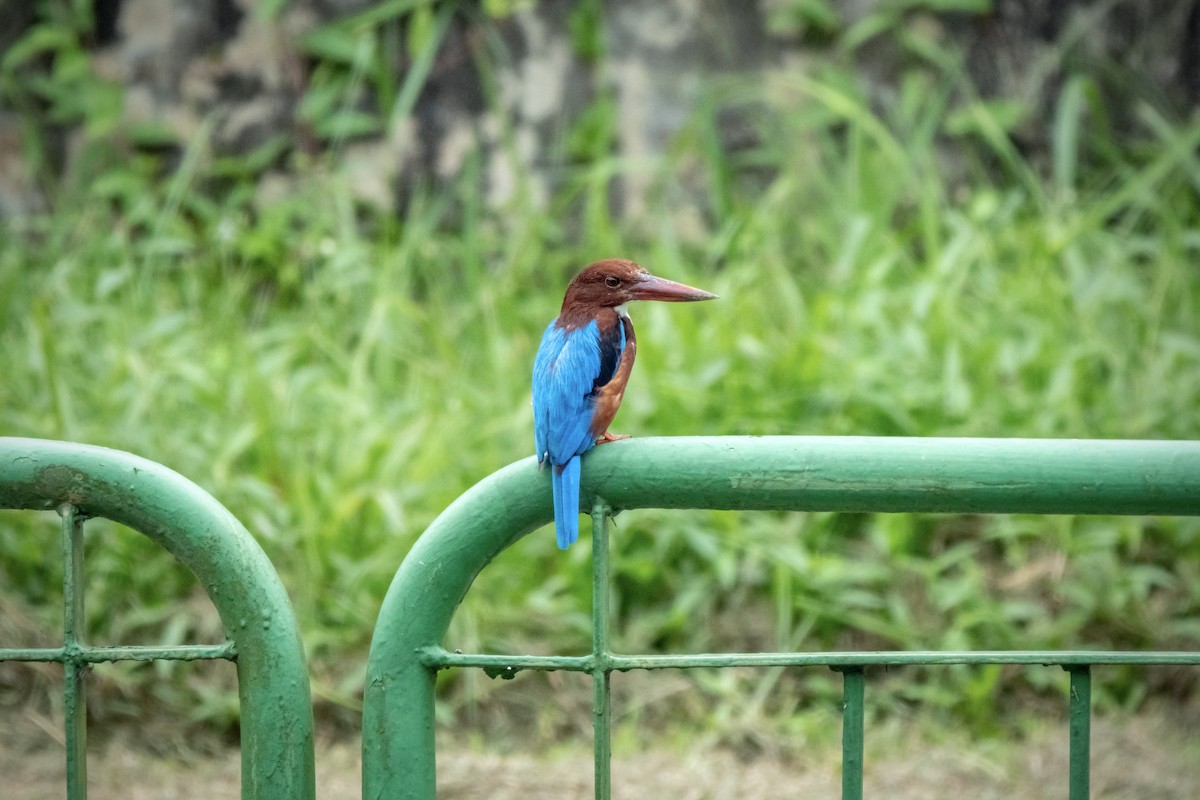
<point>566,502</point>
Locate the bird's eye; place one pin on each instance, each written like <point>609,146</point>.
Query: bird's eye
<point>612,281</point>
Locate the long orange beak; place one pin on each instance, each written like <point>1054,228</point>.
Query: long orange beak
<point>649,287</point>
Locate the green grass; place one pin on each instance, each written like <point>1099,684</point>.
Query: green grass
<point>336,377</point>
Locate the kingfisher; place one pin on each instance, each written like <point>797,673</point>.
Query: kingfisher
<point>581,370</point>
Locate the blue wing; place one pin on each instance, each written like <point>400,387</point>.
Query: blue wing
<point>570,367</point>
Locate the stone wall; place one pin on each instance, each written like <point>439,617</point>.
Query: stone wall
<point>185,64</point>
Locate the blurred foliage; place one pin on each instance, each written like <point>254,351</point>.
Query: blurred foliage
<point>47,79</point>
<point>353,89</point>
<point>336,376</point>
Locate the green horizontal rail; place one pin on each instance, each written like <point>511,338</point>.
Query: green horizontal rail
<point>97,655</point>
<point>802,473</point>
<point>81,481</point>
<point>501,664</point>
<point>893,474</point>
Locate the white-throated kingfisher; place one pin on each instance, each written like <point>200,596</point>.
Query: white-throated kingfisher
<point>581,370</point>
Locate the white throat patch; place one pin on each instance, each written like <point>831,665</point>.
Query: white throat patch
<point>622,310</point>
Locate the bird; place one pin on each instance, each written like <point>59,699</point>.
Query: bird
<point>581,370</point>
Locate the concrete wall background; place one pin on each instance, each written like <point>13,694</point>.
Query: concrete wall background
<point>187,63</point>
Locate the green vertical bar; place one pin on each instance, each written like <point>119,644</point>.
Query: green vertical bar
<point>852,733</point>
<point>74,669</point>
<point>1081,732</point>
<point>601,696</point>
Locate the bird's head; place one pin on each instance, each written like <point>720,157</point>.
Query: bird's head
<point>615,281</point>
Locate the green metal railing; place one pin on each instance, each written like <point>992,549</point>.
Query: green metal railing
<point>80,481</point>
<point>796,473</point>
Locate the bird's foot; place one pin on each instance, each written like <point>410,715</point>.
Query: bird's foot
<point>612,437</point>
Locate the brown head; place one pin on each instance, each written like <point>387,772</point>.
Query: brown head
<point>615,281</point>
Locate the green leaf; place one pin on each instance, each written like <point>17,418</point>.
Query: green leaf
<point>421,30</point>
<point>151,133</point>
<point>586,26</point>
<point>504,8</point>
<point>339,44</point>
<point>985,117</point>
<point>959,6</point>
<point>868,28</point>
<point>802,16</point>
<point>347,123</point>
<point>418,71</point>
<point>387,11</point>
<point>1064,141</point>
<point>40,39</point>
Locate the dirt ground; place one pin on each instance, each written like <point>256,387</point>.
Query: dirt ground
<point>1151,756</point>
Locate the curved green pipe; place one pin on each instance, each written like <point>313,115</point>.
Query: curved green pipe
<point>814,473</point>
<point>276,711</point>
